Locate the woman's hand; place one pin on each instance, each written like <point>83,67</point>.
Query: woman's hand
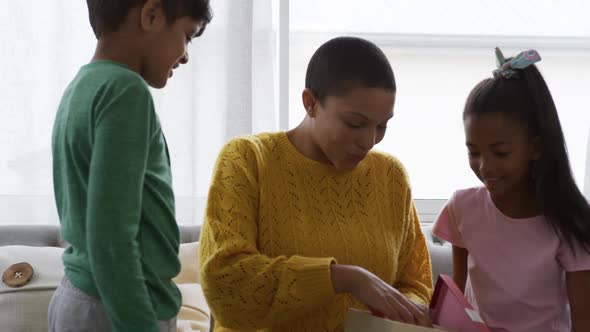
<point>377,295</point>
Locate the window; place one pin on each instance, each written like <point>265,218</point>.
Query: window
<point>439,50</point>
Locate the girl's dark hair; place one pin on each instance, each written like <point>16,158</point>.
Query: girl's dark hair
<point>345,63</point>
<point>528,100</point>
<point>108,15</point>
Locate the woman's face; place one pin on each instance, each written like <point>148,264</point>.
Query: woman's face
<point>345,128</point>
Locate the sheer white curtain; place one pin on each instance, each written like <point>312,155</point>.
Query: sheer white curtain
<point>226,89</point>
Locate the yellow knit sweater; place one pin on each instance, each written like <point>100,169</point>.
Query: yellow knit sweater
<point>276,220</point>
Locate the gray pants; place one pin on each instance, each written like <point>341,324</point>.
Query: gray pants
<point>72,310</point>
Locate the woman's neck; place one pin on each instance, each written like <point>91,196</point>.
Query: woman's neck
<point>301,137</point>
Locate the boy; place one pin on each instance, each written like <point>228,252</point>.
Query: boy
<point>111,171</point>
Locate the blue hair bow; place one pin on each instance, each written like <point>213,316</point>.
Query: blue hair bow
<point>506,69</point>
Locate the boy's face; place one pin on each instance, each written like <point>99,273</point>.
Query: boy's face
<point>167,49</point>
<point>346,128</point>
<point>500,152</point>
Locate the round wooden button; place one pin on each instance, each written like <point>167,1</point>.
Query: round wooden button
<point>18,275</point>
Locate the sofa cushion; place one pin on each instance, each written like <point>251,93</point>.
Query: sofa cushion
<point>25,308</point>
<point>188,255</point>
<point>194,314</point>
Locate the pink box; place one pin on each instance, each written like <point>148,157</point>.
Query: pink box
<point>450,310</point>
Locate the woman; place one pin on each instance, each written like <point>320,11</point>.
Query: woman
<point>304,224</point>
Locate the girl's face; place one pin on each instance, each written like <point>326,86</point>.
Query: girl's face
<point>345,128</point>
<point>501,152</point>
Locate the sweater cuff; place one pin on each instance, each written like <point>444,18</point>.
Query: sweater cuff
<point>414,298</point>
<point>314,279</point>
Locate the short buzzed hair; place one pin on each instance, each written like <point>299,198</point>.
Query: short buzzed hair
<point>344,63</point>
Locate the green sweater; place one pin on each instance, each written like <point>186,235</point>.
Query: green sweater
<point>113,189</point>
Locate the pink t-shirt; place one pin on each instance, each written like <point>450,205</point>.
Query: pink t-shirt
<point>516,267</point>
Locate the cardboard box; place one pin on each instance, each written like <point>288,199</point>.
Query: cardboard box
<point>449,311</point>
<point>362,321</point>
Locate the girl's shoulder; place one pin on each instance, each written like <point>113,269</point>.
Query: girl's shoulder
<point>470,195</point>
<point>468,200</point>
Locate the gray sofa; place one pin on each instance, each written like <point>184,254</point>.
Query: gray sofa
<point>49,236</point>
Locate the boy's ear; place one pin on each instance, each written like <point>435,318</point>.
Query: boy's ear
<point>152,16</point>
<point>309,102</point>
<point>537,148</point>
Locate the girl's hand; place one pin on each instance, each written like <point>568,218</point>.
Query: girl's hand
<point>377,295</point>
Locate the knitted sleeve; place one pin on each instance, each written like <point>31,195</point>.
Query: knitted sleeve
<point>414,276</point>
<point>244,288</point>
<point>124,126</point>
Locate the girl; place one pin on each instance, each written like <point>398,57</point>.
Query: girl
<point>521,243</point>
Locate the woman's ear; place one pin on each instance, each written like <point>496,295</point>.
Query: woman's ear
<point>152,16</point>
<point>309,102</point>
